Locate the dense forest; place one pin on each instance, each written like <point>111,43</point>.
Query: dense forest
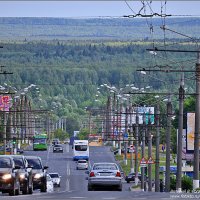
<point>69,58</point>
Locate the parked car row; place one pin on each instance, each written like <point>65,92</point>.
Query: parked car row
<point>24,174</point>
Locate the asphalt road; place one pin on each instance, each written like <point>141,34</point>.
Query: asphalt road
<point>74,183</point>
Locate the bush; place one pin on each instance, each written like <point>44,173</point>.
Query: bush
<point>187,183</point>
<point>172,183</point>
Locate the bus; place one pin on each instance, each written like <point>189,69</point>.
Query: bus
<point>40,142</point>
<point>80,150</point>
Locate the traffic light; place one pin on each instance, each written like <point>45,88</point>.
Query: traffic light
<point>14,140</point>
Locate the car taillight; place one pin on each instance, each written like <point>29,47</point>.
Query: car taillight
<point>118,174</point>
<point>92,174</point>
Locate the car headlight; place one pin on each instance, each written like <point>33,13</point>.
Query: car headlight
<point>22,176</point>
<point>38,176</point>
<point>6,176</point>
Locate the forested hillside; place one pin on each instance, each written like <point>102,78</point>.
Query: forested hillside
<point>68,58</point>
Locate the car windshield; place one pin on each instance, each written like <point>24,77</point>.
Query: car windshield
<point>34,163</point>
<point>5,163</point>
<point>105,166</point>
<point>54,175</point>
<point>81,147</point>
<point>19,162</point>
<point>57,145</point>
<point>82,161</point>
<point>48,178</point>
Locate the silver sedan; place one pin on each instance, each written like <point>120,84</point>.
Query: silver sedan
<point>105,174</point>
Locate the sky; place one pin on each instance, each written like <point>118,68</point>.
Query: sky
<point>93,8</point>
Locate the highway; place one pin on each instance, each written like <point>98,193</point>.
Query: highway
<point>74,183</point>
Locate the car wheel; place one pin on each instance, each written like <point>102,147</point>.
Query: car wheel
<point>12,192</point>
<point>128,181</point>
<point>26,190</point>
<point>90,188</point>
<point>30,190</point>
<point>119,188</point>
<point>59,185</point>
<point>44,188</point>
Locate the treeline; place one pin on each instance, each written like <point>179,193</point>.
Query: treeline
<point>96,28</point>
<point>76,69</point>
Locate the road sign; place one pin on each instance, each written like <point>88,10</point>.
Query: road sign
<point>126,135</point>
<point>150,161</point>
<point>143,162</point>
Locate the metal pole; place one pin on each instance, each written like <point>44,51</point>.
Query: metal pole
<point>157,179</point>
<point>180,135</point>
<point>114,123</point>
<point>149,154</point>
<point>119,125</point>
<point>131,137</point>
<point>136,147</point>
<point>4,132</point>
<point>197,127</point>
<point>143,182</point>
<point>125,141</point>
<point>168,139</point>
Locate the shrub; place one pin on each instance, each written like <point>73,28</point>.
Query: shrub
<point>187,183</point>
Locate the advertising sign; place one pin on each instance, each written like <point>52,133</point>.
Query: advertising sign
<point>5,103</point>
<point>190,132</point>
<point>144,113</point>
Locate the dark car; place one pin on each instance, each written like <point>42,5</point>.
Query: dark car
<point>55,141</point>
<point>58,148</point>
<point>131,177</point>
<point>39,173</point>
<point>9,176</point>
<point>25,174</point>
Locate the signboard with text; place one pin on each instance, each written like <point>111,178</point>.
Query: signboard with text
<point>5,103</point>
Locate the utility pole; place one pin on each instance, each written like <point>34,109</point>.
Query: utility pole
<point>149,154</point>
<point>4,131</point>
<point>157,179</point>
<point>126,132</point>
<point>131,136</point>
<point>143,181</point>
<point>114,122</point>
<point>197,127</point>
<point>136,147</point>
<point>180,135</point>
<point>168,140</point>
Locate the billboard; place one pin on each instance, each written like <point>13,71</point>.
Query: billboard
<point>5,103</point>
<point>143,112</point>
<point>190,132</point>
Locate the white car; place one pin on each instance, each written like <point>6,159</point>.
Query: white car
<point>82,164</point>
<point>55,178</point>
<point>50,186</point>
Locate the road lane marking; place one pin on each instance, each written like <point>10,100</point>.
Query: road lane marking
<point>67,189</point>
<point>77,197</point>
<point>68,169</point>
<point>67,148</point>
<point>48,155</point>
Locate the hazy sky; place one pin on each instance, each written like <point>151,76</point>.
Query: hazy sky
<point>93,8</point>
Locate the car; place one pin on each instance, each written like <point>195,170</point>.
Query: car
<point>82,164</point>
<point>9,176</point>
<point>50,185</point>
<point>131,177</point>
<point>58,148</point>
<point>55,178</point>
<point>104,174</point>
<point>25,174</point>
<point>66,141</point>
<point>55,141</point>
<point>39,173</point>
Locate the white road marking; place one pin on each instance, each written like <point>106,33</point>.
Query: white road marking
<point>77,197</point>
<point>48,155</point>
<point>67,148</point>
<point>67,189</point>
<point>109,198</point>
